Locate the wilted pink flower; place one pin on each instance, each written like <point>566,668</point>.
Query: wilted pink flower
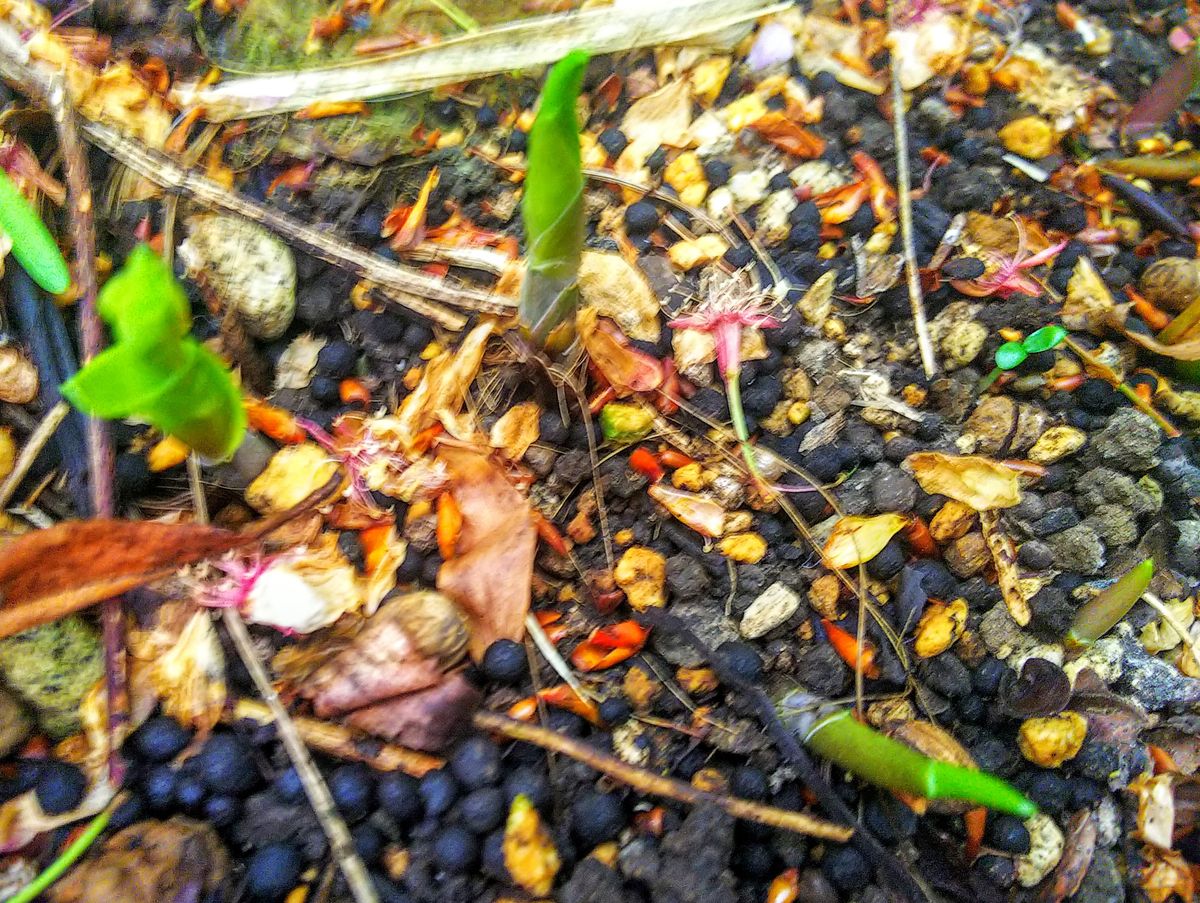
<point>727,308</point>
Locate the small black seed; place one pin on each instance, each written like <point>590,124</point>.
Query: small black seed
<point>438,791</point>
<point>160,739</point>
<point>505,662</point>
<point>641,218</point>
<point>400,797</point>
<point>60,787</point>
<point>476,763</point>
<point>1007,833</point>
<point>353,790</point>
<point>273,871</point>
<point>455,850</point>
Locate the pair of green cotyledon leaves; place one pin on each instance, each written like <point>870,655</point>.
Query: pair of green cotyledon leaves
<point>1012,354</point>
<point>154,371</point>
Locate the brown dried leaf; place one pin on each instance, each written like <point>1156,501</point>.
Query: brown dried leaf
<point>1156,808</point>
<point>1088,304</point>
<point>443,387</point>
<point>790,137</point>
<point>1166,873</point>
<point>856,539</point>
<point>427,720</point>
<point>1077,855</point>
<point>661,118</point>
<point>491,573</point>
<point>516,430</point>
<point>626,369</point>
<point>1004,556</point>
<point>1180,351</point>
<point>979,482</point>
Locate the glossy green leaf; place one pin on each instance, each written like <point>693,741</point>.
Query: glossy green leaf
<point>1010,355</point>
<point>552,207</point>
<point>1044,339</point>
<point>32,244</point>
<point>156,371</point>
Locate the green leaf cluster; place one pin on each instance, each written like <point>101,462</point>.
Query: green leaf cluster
<point>1012,354</point>
<point>155,370</point>
<point>552,208</point>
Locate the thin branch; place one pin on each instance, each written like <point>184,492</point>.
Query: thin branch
<point>341,845</point>
<point>341,742</point>
<point>1109,375</point>
<point>422,294</point>
<point>904,193</point>
<point>652,784</point>
<point>32,448</point>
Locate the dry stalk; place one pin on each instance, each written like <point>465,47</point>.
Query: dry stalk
<point>1174,623</point>
<point>904,195</point>
<point>32,448</point>
<point>652,784</point>
<point>1109,375</point>
<point>341,846</point>
<point>49,88</point>
<point>341,742</point>
<point>422,294</point>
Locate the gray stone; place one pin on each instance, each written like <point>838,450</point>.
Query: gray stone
<point>892,490</point>
<point>706,619</point>
<point>1115,524</point>
<point>1129,441</point>
<point>771,609</point>
<point>1077,549</point>
<point>819,670</point>
<point>1103,882</point>
<point>686,578</point>
<point>1186,553</point>
<point>1152,682</point>
<point>1103,485</point>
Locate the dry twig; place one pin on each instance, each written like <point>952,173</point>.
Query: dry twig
<point>341,845</point>
<point>655,785</point>
<point>32,448</point>
<point>1106,373</point>
<point>904,193</point>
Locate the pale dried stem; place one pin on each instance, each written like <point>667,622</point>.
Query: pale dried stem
<point>32,448</point>
<point>904,195</point>
<point>1174,623</point>
<point>652,784</point>
<point>422,294</point>
<point>341,845</point>
<point>341,742</point>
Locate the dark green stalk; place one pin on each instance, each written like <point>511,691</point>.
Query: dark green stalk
<point>1099,615</point>
<point>552,209</point>
<point>880,760</point>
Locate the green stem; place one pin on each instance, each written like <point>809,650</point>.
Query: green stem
<point>456,15</point>
<point>65,860</point>
<point>880,760</point>
<point>986,383</point>
<point>1099,615</point>
<point>737,415</point>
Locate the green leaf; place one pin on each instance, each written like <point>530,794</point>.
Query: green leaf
<point>1044,339</point>
<point>552,207</point>
<point>155,370</point>
<point>1010,355</point>
<point>32,244</point>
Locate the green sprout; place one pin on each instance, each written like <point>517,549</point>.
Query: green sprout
<point>884,762</point>
<point>155,370</point>
<point>552,209</point>
<point>1011,355</point>
<point>1100,614</point>
<point>32,244</point>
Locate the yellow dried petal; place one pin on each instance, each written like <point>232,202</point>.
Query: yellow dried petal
<point>979,482</point>
<point>292,474</point>
<point>744,548</point>
<point>1029,136</point>
<point>529,853</point>
<point>856,539</point>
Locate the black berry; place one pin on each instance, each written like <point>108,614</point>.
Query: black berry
<point>60,787</point>
<point>272,871</point>
<point>505,662</point>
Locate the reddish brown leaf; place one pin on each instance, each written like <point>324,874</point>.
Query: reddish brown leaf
<point>51,573</point>
<point>427,720</point>
<point>1077,856</point>
<point>491,572</point>
<point>789,136</point>
<point>626,369</point>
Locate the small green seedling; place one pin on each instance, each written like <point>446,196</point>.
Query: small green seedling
<point>155,370</point>
<point>1099,615</point>
<point>552,210</point>
<point>32,244</point>
<point>878,759</point>
<point>1011,355</point>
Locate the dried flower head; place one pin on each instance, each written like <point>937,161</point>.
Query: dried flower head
<point>1006,275</point>
<point>727,303</point>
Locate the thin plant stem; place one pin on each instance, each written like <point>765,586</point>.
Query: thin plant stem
<point>341,845</point>
<point>1109,375</point>
<point>455,14</point>
<point>551,655</point>
<point>988,381</point>
<point>652,784</point>
<point>904,195</point>
<point>1173,622</point>
<point>63,861</point>
<point>33,446</point>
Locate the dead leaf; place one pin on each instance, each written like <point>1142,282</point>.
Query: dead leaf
<point>152,861</point>
<point>491,573</point>
<point>406,646</point>
<point>856,539</point>
<point>661,118</point>
<point>627,370</point>
<point>427,720</point>
<point>181,661</point>
<point>1004,556</point>
<point>1166,873</point>
<point>516,430</point>
<point>1078,851</point>
<point>1180,351</point>
<point>51,573</point>
<point>1156,808</point>
<point>789,136</point>
<point>1088,303</point>
<point>979,482</point>
<point>935,45</point>
<point>22,818</point>
<point>619,291</point>
<point>443,387</point>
